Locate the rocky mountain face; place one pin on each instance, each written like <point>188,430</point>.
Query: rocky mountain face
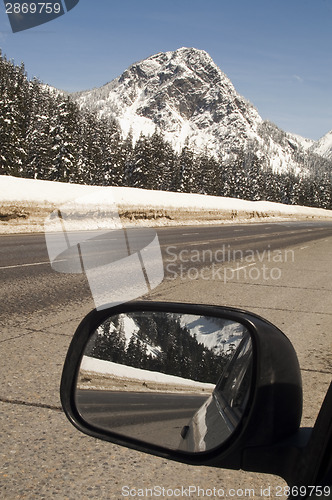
<point>323,147</point>
<point>191,101</point>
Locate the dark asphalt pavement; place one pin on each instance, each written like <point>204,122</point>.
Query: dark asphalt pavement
<point>29,283</point>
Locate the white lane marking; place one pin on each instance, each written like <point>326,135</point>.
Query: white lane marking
<point>28,265</point>
<point>243,267</point>
<point>200,244</point>
<point>189,234</point>
<point>47,262</point>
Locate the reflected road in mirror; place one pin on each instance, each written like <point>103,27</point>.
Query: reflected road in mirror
<point>153,417</point>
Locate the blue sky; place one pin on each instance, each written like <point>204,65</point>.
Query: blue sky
<point>278,54</point>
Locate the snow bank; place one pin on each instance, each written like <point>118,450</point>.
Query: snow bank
<point>108,368</point>
<point>25,203</point>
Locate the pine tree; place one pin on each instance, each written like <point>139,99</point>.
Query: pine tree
<point>39,147</point>
<point>64,137</point>
<point>211,174</point>
<point>143,171</point>
<point>13,118</point>
<point>188,180</point>
<point>112,150</point>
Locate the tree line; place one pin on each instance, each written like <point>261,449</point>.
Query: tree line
<point>160,343</point>
<point>45,135</point>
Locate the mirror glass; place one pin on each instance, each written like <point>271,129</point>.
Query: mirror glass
<point>175,380</point>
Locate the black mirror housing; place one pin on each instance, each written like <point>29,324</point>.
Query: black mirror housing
<point>272,414</point>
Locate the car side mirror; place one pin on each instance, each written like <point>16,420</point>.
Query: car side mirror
<point>199,384</point>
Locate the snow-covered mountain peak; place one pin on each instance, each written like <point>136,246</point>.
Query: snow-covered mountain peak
<point>184,94</point>
<point>188,98</point>
<point>304,142</point>
<point>323,147</point>
<point>173,62</point>
<point>177,84</point>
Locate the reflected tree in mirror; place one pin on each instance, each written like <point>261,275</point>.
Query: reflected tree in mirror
<point>175,380</point>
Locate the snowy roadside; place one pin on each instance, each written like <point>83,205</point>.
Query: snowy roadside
<point>25,204</point>
<point>105,375</point>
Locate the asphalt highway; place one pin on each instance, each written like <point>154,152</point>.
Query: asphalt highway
<point>29,283</point>
<point>135,414</point>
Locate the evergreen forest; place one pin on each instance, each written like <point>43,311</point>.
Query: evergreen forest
<point>159,343</point>
<point>45,135</point>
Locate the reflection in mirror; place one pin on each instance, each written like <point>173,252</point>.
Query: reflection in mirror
<point>175,380</point>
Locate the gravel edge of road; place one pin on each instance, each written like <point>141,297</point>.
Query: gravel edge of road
<point>27,219</point>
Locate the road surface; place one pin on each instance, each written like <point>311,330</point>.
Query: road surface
<point>157,418</point>
<point>41,454</point>
<point>29,283</point>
